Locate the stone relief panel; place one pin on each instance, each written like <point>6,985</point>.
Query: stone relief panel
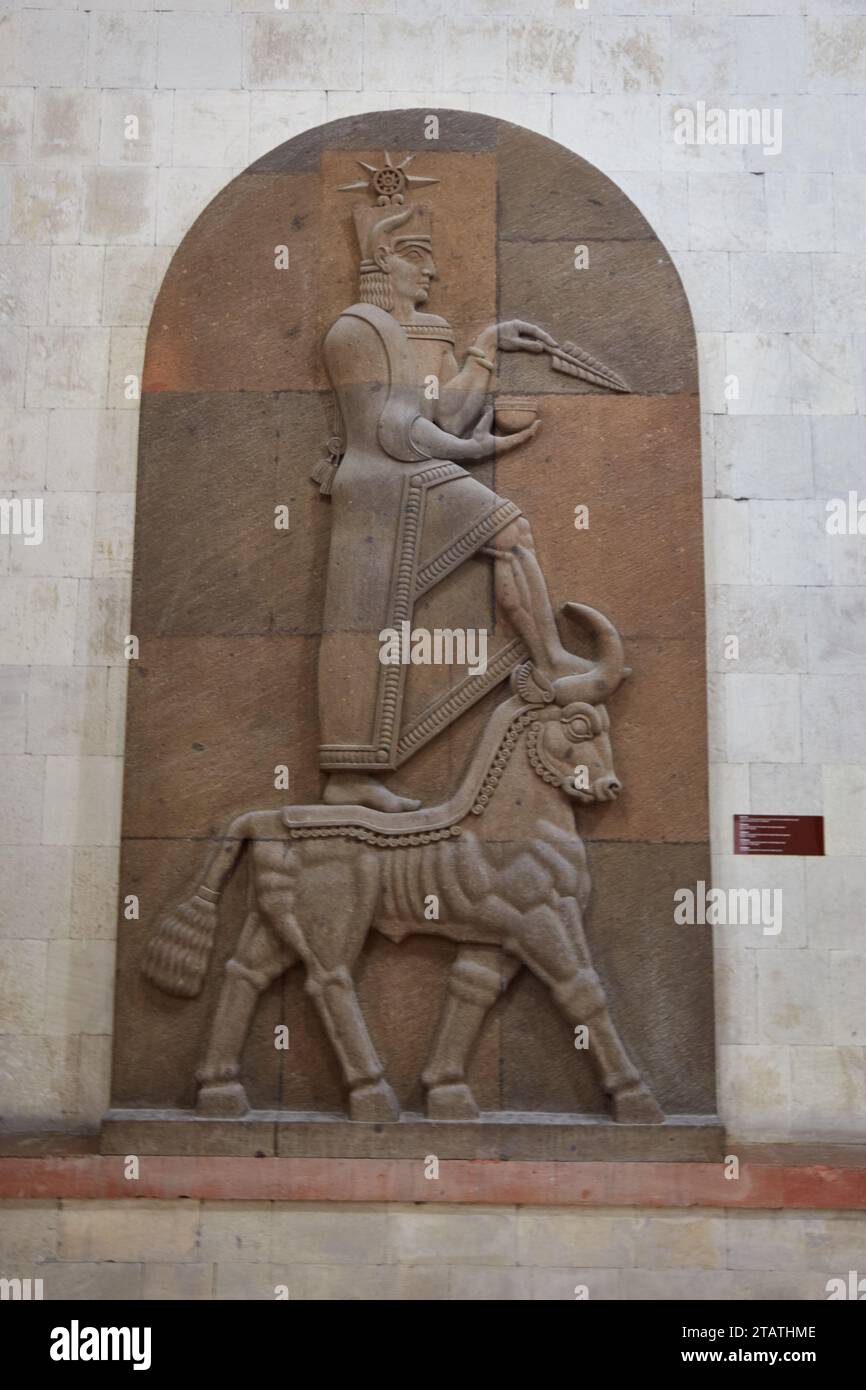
<point>416,745</point>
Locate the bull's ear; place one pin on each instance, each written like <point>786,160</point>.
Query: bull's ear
<point>531,684</point>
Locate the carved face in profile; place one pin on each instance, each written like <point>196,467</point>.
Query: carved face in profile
<point>573,747</point>
<point>411,269</point>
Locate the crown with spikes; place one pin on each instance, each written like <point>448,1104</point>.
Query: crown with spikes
<point>390,184</point>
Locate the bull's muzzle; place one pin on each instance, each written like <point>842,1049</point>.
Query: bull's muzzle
<point>605,788</point>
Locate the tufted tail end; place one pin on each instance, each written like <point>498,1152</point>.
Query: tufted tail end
<point>177,956</point>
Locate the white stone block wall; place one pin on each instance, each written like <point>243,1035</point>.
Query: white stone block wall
<point>312,1251</point>
<point>772,249</point>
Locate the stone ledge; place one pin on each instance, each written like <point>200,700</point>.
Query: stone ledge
<point>761,1185</point>
<point>506,1136</point>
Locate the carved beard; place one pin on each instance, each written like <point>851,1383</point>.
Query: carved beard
<point>375,288</point>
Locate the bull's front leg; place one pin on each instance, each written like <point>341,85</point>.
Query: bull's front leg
<point>259,958</point>
<point>581,997</point>
<point>550,940</point>
<point>478,976</point>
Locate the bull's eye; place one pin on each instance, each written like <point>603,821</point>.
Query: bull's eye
<point>579,728</point>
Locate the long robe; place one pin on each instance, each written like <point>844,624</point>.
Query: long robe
<point>401,523</point>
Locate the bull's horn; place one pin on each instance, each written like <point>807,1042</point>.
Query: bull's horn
<point>391,224</point>
<point>609,669</point>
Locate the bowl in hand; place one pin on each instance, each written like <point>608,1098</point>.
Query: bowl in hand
<point>513,413</point>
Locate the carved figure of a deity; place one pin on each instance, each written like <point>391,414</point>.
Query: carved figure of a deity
<point>406,512</point>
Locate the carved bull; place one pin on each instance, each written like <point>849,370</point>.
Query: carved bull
<point>501,856</point>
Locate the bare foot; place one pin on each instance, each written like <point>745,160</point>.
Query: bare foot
<point>359,789</point>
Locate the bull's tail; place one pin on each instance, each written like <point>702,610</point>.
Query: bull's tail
<point>178,954</point>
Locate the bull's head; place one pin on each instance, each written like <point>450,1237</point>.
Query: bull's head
<point>569,746</point>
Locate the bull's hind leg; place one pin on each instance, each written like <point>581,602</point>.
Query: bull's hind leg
<point>478,976</point>
<point>553,945</point>
<point>260,957</point>
<point>333,992</point>
<point>336,893</point>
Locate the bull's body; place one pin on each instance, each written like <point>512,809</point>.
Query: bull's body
<point>509,877</point>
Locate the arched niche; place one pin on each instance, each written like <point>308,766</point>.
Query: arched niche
<point>235,413</point>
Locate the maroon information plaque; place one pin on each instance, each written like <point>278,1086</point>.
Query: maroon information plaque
<point>778,834</point>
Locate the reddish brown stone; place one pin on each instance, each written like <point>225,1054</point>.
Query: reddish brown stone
<point>627,309</point>
<point>210,557</point>
<point>209,721</point>
<point>227,318</point>
<point>537,203</point>
<point>634,463</point>
<point>662,1185</point>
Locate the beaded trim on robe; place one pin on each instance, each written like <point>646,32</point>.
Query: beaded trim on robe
<point>439,331</point>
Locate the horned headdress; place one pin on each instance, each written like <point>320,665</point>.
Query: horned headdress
<point>402,224</point>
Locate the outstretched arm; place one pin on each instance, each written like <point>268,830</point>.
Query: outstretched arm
<point>462,391</point>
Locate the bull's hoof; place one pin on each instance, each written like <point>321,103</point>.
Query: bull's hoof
<point>452,1102</point>
<point>636,1105</point>
<point>374,1103</point>
<point>228,1100</point>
